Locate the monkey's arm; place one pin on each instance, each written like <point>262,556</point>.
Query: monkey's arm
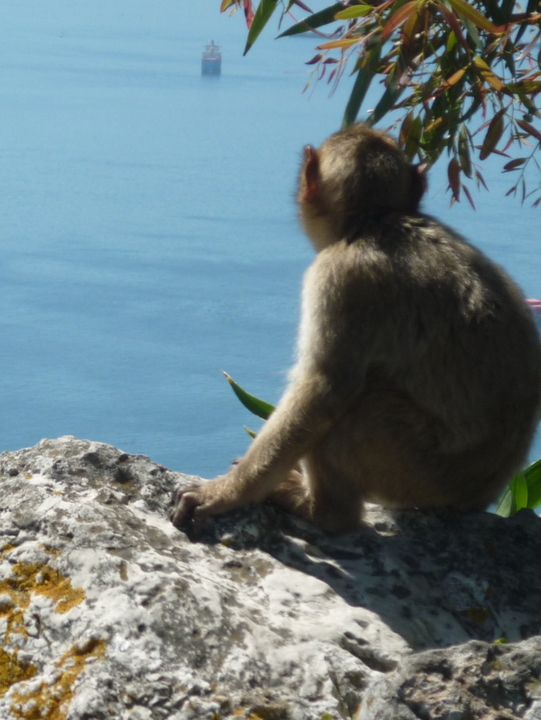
<point>309,407</point>
<point>327,379</point>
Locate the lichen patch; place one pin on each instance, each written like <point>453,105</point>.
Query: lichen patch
<point>50,701</point>
<point>28,579</point>
<point>16,592</point>
<point>13,671</point>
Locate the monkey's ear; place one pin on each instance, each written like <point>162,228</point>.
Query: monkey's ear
<point>311,174</point>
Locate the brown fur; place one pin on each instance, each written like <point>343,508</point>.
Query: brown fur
<point>418,381</point>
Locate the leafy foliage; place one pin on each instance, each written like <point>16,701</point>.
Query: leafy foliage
<point>459,77</point>
<point>524,490</point>
<point>258,407</point>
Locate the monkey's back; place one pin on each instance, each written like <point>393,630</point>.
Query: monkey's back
<point>461,341</point>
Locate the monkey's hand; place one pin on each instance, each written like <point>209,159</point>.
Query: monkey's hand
<point>193,504</point>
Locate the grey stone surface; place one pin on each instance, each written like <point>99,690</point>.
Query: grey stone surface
<point>107,611</point>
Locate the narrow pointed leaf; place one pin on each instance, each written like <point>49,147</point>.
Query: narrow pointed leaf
<point>323,17</point>
<point>533,480</point>
<point>454,23</point>
<point>353,12</point>
<point>473,32</point>
<point>524,86</point>
<point>524,491</point>
<point>453,175</point>
<point>480,179</point>
<point>413,22</point>
<point>488,75</point>
<point>468,195</point>
<point>493,135</point>
<point>470,13</point>
<point>398,18</point>
<point>342,43</point>
<point>514,164</point>
<point>411,137</point>
<point>520,492</point>
<point>262,15</point>
<point>464,152</point>
<point>299,4</point>
<point>252,403</point>
<point>248,13</point>
<point>456,77</point>
<point>367,70</point>
<point>529,129</point>
<point>452,40</point>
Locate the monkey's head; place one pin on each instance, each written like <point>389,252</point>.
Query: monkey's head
<point>357,176</point>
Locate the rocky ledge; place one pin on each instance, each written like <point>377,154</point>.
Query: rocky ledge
<point>109,612</point>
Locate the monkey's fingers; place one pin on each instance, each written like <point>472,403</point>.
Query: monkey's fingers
<point>185,503</point>
<point>182,490</point>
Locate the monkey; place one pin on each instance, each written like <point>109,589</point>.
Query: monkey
<point>417,382</point>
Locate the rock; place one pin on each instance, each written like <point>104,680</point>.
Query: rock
<point>108,612</point>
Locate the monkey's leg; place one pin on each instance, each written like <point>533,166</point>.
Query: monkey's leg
<point>292,494</point>
<point>319,493</point>
<point>388,450</point>
<point>336,500</point>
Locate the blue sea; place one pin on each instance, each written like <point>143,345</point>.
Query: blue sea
<point>148,226</point>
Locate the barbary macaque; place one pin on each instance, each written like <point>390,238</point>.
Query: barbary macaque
<point>418,379</point>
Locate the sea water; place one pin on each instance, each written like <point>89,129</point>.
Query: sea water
<point>148,229</point>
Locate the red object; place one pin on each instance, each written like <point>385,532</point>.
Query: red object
<point>248,13</point>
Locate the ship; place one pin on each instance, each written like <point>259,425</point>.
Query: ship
<point>211,60</point>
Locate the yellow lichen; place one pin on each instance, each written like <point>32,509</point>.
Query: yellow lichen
<point>29,579</point>
<point>45,580</point>
<point>12,671</point>
<point>25,581</point>
<point>51,701</point>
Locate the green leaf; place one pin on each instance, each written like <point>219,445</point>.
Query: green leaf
<point>367,69</point>
<point>468,12</point>
<point>398,18</point>
<point>256,406</point>
<point>524,491</point>
<point>474,34</point>
<point>323,17</point>
<point>520,492</point>
<point>261,18</point>
<point>452,41</point>
<point>533,481</point>
<point>354,12</point>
